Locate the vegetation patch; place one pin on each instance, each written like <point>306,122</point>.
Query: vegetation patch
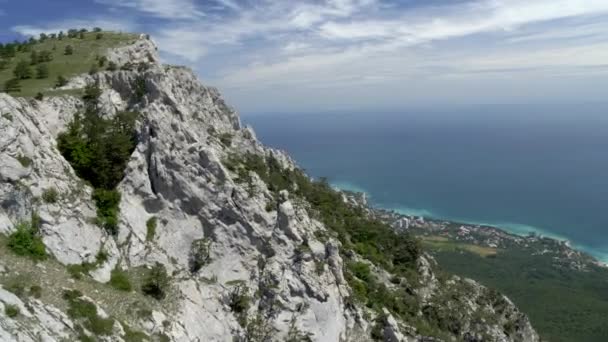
<point>563,304</point>
<point>50,195</point>
<point>239,302</point>
<point>120,280</point>
<point>33,66</point>
<point>26,240</point>
<point>445,244</point>
<point>24,161</point>
<point>85,313</point>
<point>199,254</point>
<point>156,282</point>
<point>151,228</point>
<point>99,149</point>
<point>77,271</point>
<point>11,311</point>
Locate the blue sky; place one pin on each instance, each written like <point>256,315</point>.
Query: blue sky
<point>316,55</point>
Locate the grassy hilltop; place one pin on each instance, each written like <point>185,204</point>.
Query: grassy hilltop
<point>36,66</point>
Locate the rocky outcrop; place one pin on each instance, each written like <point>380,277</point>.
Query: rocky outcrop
<point>258,246</point>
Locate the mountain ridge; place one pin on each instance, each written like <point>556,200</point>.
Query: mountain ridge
<point>247,249</point>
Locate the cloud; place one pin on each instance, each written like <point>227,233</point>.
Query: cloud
<point>275,46</point>
<point>173,9</point>
<point>231,4</point>
<point>53,27</point>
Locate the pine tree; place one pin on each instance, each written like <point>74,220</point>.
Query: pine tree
<point>22,70</point>
<point>42,71</point>
<point>12,85</point>
<point>34,57</point>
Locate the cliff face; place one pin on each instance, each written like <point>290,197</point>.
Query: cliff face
<point>244,263</point>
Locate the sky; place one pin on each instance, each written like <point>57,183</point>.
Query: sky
<point>322,55</point>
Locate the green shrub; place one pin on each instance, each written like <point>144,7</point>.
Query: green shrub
<point>156,282</point>
<point>120,280</point>
<point>199,254</point>
<point>22,70</point>
<point>101,62</point>
<point>36,291</point>
<point>239,300</point>
<point>107,202</point>
<point>134,335</point>
<point>85,312</point>
<point>26,241</point>
<point>50,195</point>
<point>151,228</point>
<point>24,160</point>
<point>77,271</point>
<point>39,96</point>
<point>61,81</point>
<point>42,71</point>
<point>11,311</point>
<point>112,66</point>
<point>12,85</point>
<point>360,270</point>
<point>140,88</point>
<point>226,139</point>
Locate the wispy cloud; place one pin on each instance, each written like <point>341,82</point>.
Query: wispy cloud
<point>387,47</point>
<point>231,4</point>
<point>173,9</point>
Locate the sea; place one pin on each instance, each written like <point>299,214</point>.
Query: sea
<point>524,168</point>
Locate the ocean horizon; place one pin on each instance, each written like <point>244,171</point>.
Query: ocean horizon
<point>523,169</point>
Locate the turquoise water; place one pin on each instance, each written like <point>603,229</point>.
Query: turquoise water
<point>522,168</point>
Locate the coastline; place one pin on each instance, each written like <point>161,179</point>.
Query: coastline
<point>514,229</point>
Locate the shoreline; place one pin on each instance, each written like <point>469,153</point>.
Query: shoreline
<point>515,229</point>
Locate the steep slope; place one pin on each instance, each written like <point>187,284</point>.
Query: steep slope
<point>247,254</point>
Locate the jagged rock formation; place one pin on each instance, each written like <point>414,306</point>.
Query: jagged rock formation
<point>247,243</point>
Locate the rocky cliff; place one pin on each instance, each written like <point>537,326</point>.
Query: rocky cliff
<point>245,260</point>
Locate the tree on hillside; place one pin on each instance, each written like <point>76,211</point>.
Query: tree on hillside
<point>34,57</point>
<point>43,37</point>
<point>72,33</point>
<point>112,66</point>
<point>12,85</point>
<point>42,71</point>
<point>22,70</point>
<point>97,29</point>
<point>45,56</point>
<point>69,50</point>
<point>61,81</point>
<point>60,35</point>
<point>102,61</point>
